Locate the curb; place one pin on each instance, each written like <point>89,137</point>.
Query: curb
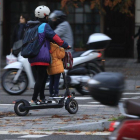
<point>54,133</point>
<point>101,125</point>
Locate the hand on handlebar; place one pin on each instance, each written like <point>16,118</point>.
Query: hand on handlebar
<point>69,47</point>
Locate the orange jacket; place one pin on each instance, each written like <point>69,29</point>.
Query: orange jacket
<point>57,53</point>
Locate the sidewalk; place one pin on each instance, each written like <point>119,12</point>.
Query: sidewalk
<point>88,118</point>
<point>129,68</point>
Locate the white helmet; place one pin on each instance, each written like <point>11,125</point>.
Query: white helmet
<point>42,11</point>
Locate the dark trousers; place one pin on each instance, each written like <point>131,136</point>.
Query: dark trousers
<point>138,50</point>
<point>54,84</point>
<point>41,78</point>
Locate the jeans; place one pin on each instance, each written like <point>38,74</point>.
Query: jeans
<point>54,84</point>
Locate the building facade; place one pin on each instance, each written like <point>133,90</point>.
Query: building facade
<point>137,24</point>
<point>83,20</point>
<point>1,21</point>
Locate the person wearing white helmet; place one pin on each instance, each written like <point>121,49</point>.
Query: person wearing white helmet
<point>43,59</point>
<point>42,11</point>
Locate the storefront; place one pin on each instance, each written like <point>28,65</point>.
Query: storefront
<point>83,20</point>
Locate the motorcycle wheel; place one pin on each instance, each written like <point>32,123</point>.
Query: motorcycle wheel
<point>14,88</point>
<point>83,88</point>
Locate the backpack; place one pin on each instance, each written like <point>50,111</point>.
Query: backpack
<point>68,60</point>
<point>31,45</point>
<point>17,47</point>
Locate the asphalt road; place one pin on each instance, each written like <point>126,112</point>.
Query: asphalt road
<point>8,99</point>
<point>53,137</point>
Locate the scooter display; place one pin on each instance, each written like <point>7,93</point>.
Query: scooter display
<point>18,75</point>
<point>22,106</point>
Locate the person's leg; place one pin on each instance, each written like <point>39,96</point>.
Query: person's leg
<point>56,83</point>
<point>39,81</point>
<point>51,85</point>
<point>34,71</point>
<point>42,95</point>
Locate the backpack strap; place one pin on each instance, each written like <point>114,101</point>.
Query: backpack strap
<point>34,39</point>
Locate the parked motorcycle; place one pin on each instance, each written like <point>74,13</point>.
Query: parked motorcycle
<point>127,128</point>
<point>18,75</point>
<point>107,88</point>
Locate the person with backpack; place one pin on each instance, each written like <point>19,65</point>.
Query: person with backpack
<point>39,56</point>
<point>55,69</point>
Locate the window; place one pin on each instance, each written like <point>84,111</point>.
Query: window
<point>83,20</point>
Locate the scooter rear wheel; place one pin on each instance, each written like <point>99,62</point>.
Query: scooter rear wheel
<point>19,109</point>
<point>71,106</point>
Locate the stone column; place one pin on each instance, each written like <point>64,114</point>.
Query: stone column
<point>1,36</point>
<point>137,24</point>
<point>1,21</point>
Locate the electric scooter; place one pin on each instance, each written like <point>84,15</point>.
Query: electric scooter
<point>22,106</point>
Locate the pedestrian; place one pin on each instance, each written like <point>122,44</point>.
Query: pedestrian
<point>19,29</point>
<point>58,22</point>
<point>55,69</point>
<point>43,59</point>
<point>138,45</point>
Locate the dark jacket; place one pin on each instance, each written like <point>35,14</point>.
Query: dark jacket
<point>46,33</point>
<point>18,33</point>
<point>138,34</point>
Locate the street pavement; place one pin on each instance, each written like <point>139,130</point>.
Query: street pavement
<point>90,112</point>
<point>54,136</point>
<point>91,117</point>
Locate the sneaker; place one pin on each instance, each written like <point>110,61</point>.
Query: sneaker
<point>56,95</point>
<point>52,95</point>
<point>44,101</point>
<point>49,102</point>
<point>36,102</point>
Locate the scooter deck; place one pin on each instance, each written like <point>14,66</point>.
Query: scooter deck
<point>56,97</point>
<point>43,106</point>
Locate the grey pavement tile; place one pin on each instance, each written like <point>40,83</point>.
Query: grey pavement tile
<point>131,88</point>
<point>137,82</point>
<point>48,123</point>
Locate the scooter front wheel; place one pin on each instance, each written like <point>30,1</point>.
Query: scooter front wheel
<point>71,106</point>
<point>14,88</point>
<point>20,110</point>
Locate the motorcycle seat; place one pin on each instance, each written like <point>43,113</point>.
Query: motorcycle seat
<point>77,54</point>
<point>132,106</point>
